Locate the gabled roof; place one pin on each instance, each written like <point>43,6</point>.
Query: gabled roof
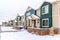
<point>55,2</point>
<point>29,8</point>
<point>45,2</point>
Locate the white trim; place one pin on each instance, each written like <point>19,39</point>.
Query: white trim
<point>42,10</point>
<point>46,9</point>
<point>34,16</point>
<point>45,19</point>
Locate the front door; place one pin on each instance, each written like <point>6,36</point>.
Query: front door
<point>34,23</point>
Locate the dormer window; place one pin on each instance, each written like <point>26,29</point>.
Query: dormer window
<point>45,9</point>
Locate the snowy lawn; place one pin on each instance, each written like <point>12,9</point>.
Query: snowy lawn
<point>24,35</point>
<point>7,29</point>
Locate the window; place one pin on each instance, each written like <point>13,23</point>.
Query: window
<point>45,22</point>
<point>28,14</point>
<point>18,18</point>
<point>16,23</point>
<point>45,9</point>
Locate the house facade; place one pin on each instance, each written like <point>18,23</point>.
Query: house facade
<point>32,20</point>
<point>11,22</point>
<point>56,15</point>
<point>38,20</point>
<point>23,20</point>
<point>44,20</point>
<point>4,23</point>
<point>28,18</point>
<point>46,15</point>
<point>16,21</point>
<point>48,21</point>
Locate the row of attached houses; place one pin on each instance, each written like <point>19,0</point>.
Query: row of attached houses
<point>44,20</point>
<point>4,23</point>
<point>16,21</point>
<point>23,20</point>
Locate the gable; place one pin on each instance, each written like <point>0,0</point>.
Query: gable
<point>46,3</point>
<point>32,11</point>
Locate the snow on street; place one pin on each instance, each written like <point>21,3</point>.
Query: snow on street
<point>24,35</point>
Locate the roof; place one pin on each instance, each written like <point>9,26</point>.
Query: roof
<point>55,2</point>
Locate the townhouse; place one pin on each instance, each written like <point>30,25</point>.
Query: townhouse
<point>23,20</point>
<point>11,22</point>
<point>28,18</point>
<point>4,23</point>
<point>16,21</point>
<point>56,15</point>
<point>32,19</point>
<point>44,20</point>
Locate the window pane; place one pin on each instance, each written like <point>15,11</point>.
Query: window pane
<point>45,22</point>
<point>46,9</point>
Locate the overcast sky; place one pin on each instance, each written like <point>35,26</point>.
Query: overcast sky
<point>10,8</point>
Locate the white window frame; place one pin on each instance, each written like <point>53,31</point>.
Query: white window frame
<point>42,10</point>
<point>46,8</point>
<point>48,22</point>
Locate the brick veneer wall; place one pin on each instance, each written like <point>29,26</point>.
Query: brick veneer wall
<point>42,31</point>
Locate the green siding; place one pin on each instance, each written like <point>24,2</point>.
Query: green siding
<point>32,11</point>
<point>48,15</point>
<point>19,18</point>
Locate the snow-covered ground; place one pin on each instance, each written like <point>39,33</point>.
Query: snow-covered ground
<point>24,35</point>
<point>7,29</point>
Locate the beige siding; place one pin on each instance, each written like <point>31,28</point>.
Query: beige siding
<point>56,14</point>
<point>59,14</point>
<point>38,23</point>
<point>38,12</point>
<point>38,20</point>
<point>57,0</point>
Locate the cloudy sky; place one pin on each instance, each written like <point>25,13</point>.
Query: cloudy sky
<point>10,8</point>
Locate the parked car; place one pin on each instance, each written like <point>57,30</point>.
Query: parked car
<point>22,28</point>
